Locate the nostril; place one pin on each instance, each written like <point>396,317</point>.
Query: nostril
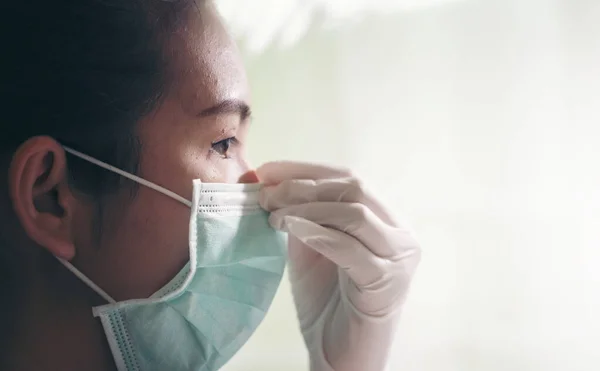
<point>249,177</point>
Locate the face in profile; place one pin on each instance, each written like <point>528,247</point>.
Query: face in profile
<point>139,241</point>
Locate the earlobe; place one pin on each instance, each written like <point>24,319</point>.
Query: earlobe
<point>41,197</point>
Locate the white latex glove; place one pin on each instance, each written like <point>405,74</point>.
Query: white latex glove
<point>350,263</point>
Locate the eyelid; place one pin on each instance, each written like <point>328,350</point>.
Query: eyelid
<point>231,143</point>
<point>233,139</point>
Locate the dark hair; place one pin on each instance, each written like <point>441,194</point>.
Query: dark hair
<point>83,72</point>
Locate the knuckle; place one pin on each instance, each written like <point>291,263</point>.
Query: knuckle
<point>286,185</point>
<point>345,172</point>
<point>354,190</point>
<point>415,246</point>
<point>359,211</point>
<point>414,255</point>
<point>293,186</point>
<point>380,265</point>
<point>358,185</point>
<point>353,183</point>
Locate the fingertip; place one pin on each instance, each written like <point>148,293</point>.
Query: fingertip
<point>267,173</point>
<point>265,199</point>
<point>277,222</point>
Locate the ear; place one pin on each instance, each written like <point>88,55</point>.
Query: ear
<point>41,197</point>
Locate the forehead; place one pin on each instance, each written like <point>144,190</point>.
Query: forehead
<point>207,67</point>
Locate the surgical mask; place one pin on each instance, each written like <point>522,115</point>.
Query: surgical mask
<point>200,319</point>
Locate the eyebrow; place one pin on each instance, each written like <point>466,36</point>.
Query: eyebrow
<point>229,106</point>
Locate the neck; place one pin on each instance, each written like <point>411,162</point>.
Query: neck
<point>56,329</point>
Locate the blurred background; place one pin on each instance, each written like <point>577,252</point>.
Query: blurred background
<point>477,121</point>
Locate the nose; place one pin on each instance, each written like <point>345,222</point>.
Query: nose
<point>249,177</point>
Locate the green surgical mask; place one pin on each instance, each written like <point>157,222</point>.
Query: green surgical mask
<point>211,308</point>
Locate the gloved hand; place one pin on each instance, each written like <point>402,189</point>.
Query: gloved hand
<point>350,263</point>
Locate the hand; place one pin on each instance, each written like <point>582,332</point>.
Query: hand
<point>350,263</point>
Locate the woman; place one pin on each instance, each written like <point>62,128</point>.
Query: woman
<point>120,115</point>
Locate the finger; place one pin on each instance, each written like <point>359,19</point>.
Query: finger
<point>296,192</point>
<point>343,250</point>
<point>354,219</point>
<point>276,172</point>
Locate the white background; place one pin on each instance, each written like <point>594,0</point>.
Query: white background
<point>478,121</point>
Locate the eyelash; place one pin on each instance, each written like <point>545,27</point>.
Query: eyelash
<point>222,147</point>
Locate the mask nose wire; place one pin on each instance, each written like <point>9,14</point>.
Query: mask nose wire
<point>125,174</point>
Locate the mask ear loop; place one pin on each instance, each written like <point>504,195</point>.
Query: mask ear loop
<point>125,174</point>
<point>87,281</point>
<point>136,179</point>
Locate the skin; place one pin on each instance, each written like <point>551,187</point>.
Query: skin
<point>144,242</point>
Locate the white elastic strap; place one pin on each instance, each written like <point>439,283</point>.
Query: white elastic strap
<point>136,179</point>
<point>87,281</point>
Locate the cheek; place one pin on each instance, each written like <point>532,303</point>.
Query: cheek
<point>176,169</point>
<point>147,248</point>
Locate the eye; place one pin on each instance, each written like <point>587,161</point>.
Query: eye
<point>222,147</point>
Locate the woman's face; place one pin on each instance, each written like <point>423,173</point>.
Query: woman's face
<point>198,132</point>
